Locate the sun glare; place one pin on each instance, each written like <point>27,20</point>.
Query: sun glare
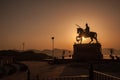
<point>83,38</point>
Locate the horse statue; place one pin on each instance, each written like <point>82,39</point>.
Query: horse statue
<point>81,32</point>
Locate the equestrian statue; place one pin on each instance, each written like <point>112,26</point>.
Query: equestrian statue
<point>85,33</point>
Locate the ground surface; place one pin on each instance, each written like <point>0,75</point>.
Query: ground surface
<point>43,69</point>
<point>112,68</point>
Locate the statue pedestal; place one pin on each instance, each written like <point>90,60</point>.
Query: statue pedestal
<point>87,52</point>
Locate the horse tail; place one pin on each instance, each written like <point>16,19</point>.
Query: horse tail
<point>95,35</point>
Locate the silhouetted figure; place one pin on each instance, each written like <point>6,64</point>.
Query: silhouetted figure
<point>87,29</point>
<point>70,55</point>
<point>117,58</point>
<point>111,51</point>
<point>112,57</point>
<point>63,54</point>
<point>111,54</point>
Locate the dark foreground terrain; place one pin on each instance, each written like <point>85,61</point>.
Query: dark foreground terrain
<point>43,69</point>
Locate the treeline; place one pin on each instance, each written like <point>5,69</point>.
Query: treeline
<point>24,55</point>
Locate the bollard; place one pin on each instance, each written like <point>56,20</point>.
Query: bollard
<point>91,74</point>
<point>28,74</point>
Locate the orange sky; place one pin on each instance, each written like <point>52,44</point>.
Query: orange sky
<point>35,22</point>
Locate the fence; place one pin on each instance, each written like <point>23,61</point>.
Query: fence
<point>96,76</point>
<point>103,76</point>
<point>93,75</point>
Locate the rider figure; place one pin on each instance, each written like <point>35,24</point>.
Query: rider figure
<point>87,29</point>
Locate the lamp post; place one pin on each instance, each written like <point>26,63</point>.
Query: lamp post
<point>23,44</point>
<point>52,46</point>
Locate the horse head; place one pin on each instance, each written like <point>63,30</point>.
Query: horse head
<point>80,30</point>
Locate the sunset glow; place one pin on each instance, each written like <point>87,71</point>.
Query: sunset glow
<point>35,22</point>
<point>83,38</point>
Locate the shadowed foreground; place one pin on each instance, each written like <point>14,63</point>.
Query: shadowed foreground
<point>43,69</point>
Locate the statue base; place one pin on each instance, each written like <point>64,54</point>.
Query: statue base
<point>87,52</point>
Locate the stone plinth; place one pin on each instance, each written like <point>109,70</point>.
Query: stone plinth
<point>87,52</point>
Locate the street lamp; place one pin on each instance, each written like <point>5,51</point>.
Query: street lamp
<point>23,44</point>
<point>52,46</point>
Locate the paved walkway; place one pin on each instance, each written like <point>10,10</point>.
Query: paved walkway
<point>43,69</point>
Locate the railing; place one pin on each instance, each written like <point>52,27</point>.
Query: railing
<point>93,75</point>
<point>103,76</point>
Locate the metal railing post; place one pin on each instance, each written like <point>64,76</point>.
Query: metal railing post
<point>91,73</point>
